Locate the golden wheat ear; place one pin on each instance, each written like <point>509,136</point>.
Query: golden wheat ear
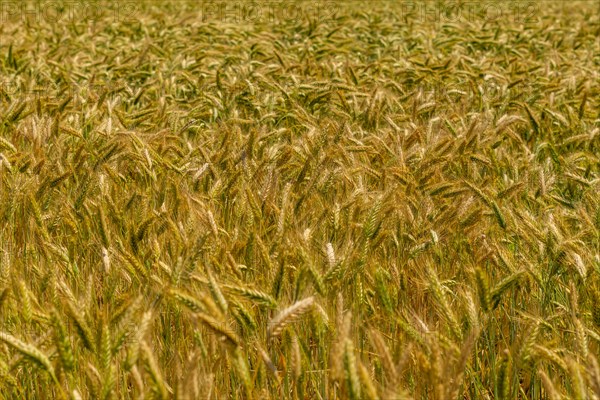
<point>288,315</point>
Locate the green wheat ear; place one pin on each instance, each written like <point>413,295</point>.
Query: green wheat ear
<point>483,290</point>
<point>31,352</point>
<point>351,373</point>
<point>63,344</point>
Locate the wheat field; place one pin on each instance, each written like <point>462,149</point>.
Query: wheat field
<point>300,200</point>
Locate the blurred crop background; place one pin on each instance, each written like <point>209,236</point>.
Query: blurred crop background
<point>304,200</point>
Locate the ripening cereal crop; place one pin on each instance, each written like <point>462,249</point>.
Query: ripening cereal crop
<point>300,200</point>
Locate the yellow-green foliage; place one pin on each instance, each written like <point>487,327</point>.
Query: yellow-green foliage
<point>334,200</point>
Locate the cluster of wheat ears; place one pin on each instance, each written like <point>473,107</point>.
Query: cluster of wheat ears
<point>368,204</point>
